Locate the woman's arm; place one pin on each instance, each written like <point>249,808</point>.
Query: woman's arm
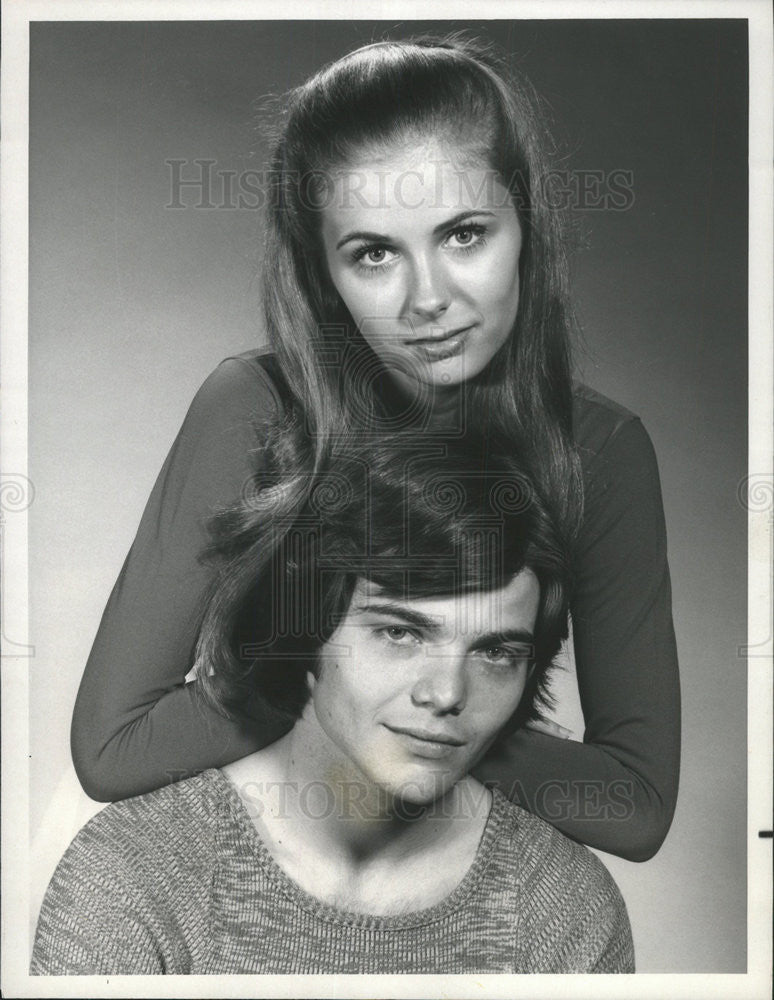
<point>616,791</point>
<point>136,724</point>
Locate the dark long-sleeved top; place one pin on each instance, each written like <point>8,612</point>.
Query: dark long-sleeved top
<point>179,882</point>
<point>137,725</point>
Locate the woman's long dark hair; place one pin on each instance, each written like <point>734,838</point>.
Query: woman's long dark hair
<point>386,93</point>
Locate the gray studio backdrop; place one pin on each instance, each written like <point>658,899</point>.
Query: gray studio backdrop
<point>133,302</point>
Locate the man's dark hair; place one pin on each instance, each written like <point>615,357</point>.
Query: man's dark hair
<point>419,516</point>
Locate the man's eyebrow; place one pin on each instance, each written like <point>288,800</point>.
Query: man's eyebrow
<point>373,237</point>
<point>512,635</point>
<point>408,615</point>
<point>416,618</point>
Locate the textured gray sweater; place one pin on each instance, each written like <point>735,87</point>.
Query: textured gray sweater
<point>179,881</point>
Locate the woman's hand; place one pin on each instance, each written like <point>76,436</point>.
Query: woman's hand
<point>549,728</point>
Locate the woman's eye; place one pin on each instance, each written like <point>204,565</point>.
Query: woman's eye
<point>467,236</point>
<point>371,258</point>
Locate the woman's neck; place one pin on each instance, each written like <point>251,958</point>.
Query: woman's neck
<point>433,407</point>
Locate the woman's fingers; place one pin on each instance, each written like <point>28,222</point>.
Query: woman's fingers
<point>550,728</point>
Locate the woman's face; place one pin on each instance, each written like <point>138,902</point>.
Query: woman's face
<point>423,248</point>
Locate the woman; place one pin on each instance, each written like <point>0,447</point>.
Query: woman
<point>412,277</point>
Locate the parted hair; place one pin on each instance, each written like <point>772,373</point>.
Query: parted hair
<point>419,516</point>
<point>404,92</point>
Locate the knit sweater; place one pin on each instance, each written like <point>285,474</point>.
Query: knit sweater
<point>179,882</point>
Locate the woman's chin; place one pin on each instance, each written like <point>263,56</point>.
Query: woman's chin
<point>437,375</point>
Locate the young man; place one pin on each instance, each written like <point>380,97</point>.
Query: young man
<point>414,607</point>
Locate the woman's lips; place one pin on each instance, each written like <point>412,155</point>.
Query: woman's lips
<point>441,347</point>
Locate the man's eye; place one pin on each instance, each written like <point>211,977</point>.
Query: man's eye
<point>498,653</point>
<point>505,654</point>
<point>397,635</point>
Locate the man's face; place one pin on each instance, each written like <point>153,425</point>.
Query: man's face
<point>414,692</point>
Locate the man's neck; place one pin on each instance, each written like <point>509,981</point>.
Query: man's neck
<point>345,840</point>
<point>349,815</point>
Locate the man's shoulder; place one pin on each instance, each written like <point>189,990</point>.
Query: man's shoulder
<point>571,915</point>
<point>548,862</point>
<point>132,892</point>
<point>176,823</point>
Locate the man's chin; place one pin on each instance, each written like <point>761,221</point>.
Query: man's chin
<point>416,798</point>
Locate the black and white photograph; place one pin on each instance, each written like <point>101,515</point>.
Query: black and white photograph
<point>387,499</point>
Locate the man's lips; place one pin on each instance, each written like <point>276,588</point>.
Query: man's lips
<point>429,736</point>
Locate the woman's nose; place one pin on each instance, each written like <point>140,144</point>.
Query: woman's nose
<point>441,685</point>
<point>429,294</point>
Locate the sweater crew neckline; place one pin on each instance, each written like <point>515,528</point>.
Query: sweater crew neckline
<point>253,844</point>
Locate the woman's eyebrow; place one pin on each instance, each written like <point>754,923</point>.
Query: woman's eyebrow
<point>361,234</point>
<point>373,237</point>
<point>455,220</point>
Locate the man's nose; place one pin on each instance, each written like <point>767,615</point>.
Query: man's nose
<point>442,684</point>
<point>429,293</point>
